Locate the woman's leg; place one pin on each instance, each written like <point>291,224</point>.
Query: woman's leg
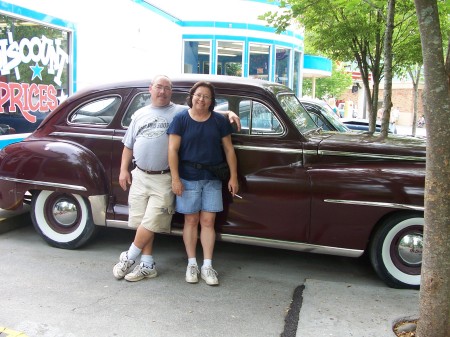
<point>190,233</point>
<point>207,234</point>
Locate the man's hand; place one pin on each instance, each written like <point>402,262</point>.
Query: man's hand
<point>234,119</point>
<point>124,179</point>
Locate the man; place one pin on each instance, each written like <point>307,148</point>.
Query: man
<point>151,200</point>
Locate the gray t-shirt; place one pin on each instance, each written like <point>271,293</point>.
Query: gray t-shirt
<point>147,136</point>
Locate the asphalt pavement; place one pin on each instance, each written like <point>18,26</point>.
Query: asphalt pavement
<point>338,297</point>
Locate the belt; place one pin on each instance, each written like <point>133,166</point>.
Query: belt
<point>154,172</point>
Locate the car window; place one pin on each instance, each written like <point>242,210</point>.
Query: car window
<point>256,118</point>
<point>98,112</point>
<point>139,101</point>
<point>318,119</point>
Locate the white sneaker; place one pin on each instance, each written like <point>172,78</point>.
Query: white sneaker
<point>210,276</point>
<point>192,273</point>
<point>122,267</point>
<point>141,271</point>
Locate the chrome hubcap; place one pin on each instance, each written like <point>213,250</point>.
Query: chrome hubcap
<point>410,248</point>
<point>64,212</point>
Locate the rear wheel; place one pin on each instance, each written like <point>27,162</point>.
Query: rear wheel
<point>396,250</point>
<point>64,220</point>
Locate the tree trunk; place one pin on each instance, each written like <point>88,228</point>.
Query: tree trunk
<point>387,97</point>
<point>415,78</point>
<point>435,292</point>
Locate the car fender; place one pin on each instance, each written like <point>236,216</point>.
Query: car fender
<point>48,165</point>
<point>350,200</point>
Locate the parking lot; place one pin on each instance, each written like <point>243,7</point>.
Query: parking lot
<point>72,293</point>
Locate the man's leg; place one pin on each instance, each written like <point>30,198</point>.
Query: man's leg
<point>143,243</point>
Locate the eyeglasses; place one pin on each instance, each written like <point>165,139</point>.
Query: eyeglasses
<point>205,97</point>
<point>160,87</point>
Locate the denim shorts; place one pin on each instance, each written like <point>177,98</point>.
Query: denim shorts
<point>200,195</point>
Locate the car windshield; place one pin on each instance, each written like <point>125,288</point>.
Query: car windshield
<point>297,114</point>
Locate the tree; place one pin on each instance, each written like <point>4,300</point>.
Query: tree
<point>342,30</point>
<point>350,30</point>
<point>435,289</point>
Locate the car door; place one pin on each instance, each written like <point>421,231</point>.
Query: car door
<point>273,183</point>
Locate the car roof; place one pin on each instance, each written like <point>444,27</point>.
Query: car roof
<point>188,80</point>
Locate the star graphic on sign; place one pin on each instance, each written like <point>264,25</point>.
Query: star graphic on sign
<point>36,71</point>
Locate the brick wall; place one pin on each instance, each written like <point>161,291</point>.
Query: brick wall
<point>402,99</point>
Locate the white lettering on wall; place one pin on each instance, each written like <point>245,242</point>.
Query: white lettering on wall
<point>36,50</point>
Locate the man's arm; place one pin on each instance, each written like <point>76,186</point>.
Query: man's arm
<point>232,117</point>
<point>124,175</point>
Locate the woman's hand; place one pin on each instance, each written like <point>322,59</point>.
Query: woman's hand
<point>233,186</point>
<point>177,187</point>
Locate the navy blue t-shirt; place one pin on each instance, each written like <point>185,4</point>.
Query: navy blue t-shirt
<point>201,142</point>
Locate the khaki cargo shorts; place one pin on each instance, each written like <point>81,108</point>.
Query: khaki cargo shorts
<point>151,201</point>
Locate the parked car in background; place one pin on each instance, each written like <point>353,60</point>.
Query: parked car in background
<point>363,125</point>
<point>6,130</point>
<point>17,121</point>
<point>323,115</point>
<point>302,188</point>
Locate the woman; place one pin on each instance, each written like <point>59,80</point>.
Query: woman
<point>196,138</point>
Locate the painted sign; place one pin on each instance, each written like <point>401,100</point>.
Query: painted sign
<point>31,96</point>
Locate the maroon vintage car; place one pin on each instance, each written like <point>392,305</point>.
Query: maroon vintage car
<point>302,188</point>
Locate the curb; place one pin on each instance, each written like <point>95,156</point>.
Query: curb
<point>13,222</point>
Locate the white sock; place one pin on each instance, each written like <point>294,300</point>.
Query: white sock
<point>192,261</point>
<point>133,252</point>
<point>147,260</point>
<point>207,263</point>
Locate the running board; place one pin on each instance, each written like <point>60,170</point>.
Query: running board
<point>288,245</point>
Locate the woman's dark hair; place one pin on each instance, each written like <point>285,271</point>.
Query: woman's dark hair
<point>198,85</point>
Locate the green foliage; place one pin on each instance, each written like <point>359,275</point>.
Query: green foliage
<point>333,86</point>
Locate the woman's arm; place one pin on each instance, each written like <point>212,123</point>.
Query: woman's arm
<point>230,155</point>
<point>174,146</point>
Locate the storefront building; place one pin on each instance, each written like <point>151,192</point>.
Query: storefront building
<point>50,49</point>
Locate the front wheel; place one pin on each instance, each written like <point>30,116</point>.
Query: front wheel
<point>64,220</point>
<point>396,250</point>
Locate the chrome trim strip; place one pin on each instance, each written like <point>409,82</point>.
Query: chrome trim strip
<point>310,152</point>
<point>44,183</point>
<point>267,149</point>
<point>98,208</point>
<point>81,135</point>
<point>370,155</point>
<point>289,245</point>
<point>376,204</point>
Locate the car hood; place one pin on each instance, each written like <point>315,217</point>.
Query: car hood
<point>372,146</point>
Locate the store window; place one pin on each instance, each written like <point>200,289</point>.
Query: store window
<point>196,57</point>
<point>229,58</point>
<point>282,70</point>
<point>34,68</point>
<point>259,61</point>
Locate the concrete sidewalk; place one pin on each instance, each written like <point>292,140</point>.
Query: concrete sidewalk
<point>407,131</point>
<point>346,310</point>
